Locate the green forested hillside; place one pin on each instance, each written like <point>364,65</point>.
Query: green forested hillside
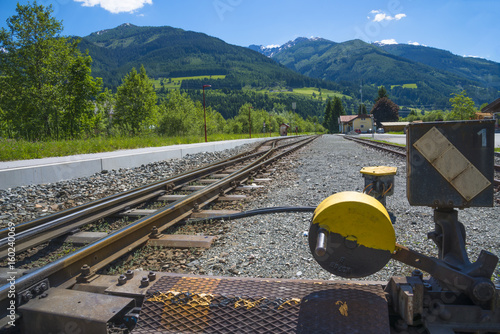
<point>483,71</point>
<point>169,52</point>
<point>353,62</point>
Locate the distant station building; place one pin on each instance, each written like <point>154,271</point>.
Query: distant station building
<point>357,123</point>
<point>394,126</point>
<point>491,111</point>
<point>284,129</point>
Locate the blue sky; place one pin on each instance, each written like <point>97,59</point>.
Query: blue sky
<point>464,27</point>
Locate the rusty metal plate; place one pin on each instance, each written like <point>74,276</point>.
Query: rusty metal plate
<point>450,164</point>
<point>223,305</point>
<point>71,311</point>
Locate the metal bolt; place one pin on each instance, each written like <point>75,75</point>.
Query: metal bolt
<point>321,243</point>
<point>85,270</point>
<point>144,281</point>
<point>417,273</point>
<point>129,274</point>
<point>122,279</point>
<point>43,286</point>
<point>27,296</point>
<point>151,276</point>
<point>154,232</point>
<point>483,291</point>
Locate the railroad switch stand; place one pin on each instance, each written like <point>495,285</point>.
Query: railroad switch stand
<point>379,181</point>
<point>449,166</point>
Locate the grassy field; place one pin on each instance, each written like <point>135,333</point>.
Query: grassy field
<point>176,82</point>
<point>22,150</point>
<point>312,92</point>
<point>409,86</point>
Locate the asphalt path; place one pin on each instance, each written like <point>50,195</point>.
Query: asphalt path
<point>401,139</point>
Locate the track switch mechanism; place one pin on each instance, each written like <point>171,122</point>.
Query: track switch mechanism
<point>351,235</point>
<point>379,181</point>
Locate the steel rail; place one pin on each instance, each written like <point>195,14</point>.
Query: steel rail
<point>27,225</point>
<point>379,146</point>
<point>41,230</point>
<point>63,272</point>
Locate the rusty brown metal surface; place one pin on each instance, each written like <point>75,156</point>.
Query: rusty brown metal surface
<point>223,305</point>
<point>69,311</point>
<point>182,241</point>
<point>212,213</point>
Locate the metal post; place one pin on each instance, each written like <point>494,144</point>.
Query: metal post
<point>250,122</point>
<point>204,112</point>
<point>373,130</point>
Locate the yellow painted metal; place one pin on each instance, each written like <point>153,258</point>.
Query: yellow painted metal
<point>379,170</point>
<point>359,217</point>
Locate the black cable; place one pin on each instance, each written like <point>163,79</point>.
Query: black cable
<point>262,211</point>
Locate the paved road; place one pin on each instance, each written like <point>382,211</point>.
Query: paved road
<point>401,139</point>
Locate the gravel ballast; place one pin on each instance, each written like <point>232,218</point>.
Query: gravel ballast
<point>275,245</point>
<point>26,203</point>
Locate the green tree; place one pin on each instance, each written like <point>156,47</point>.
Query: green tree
<point>81,90</point>
<point>105,105</point>
<point>136,108</point>
<point>328,121</point>
<point>463,108</point>
<point>180,116</point>
<point>362,109</point>
<point>177,115</point>
<point>483,106</point>
<point>338,110</point>
<point>384,110</point>
<point>245,115</point>
<point>433,116</point>
<point>46,82</point>
<point>382,92</point>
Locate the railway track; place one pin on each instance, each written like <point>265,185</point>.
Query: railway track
<point>77,292</point>
<point>181,196</point>
<point>401,151</point>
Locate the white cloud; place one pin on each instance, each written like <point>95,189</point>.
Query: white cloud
<point>416,43</point>
<point>272,46</point>
<point>471,56</point>
<point>387,42</point>
<point>117,6</point>
<point>381,16</point>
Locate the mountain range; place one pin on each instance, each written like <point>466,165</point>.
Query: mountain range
<point>168,52</point>
<point>424,69</point>
<point>413,75</point>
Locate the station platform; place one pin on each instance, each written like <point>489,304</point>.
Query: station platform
<point>49,170</point>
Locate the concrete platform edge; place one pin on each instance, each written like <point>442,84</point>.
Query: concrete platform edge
<point>41,173</point>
